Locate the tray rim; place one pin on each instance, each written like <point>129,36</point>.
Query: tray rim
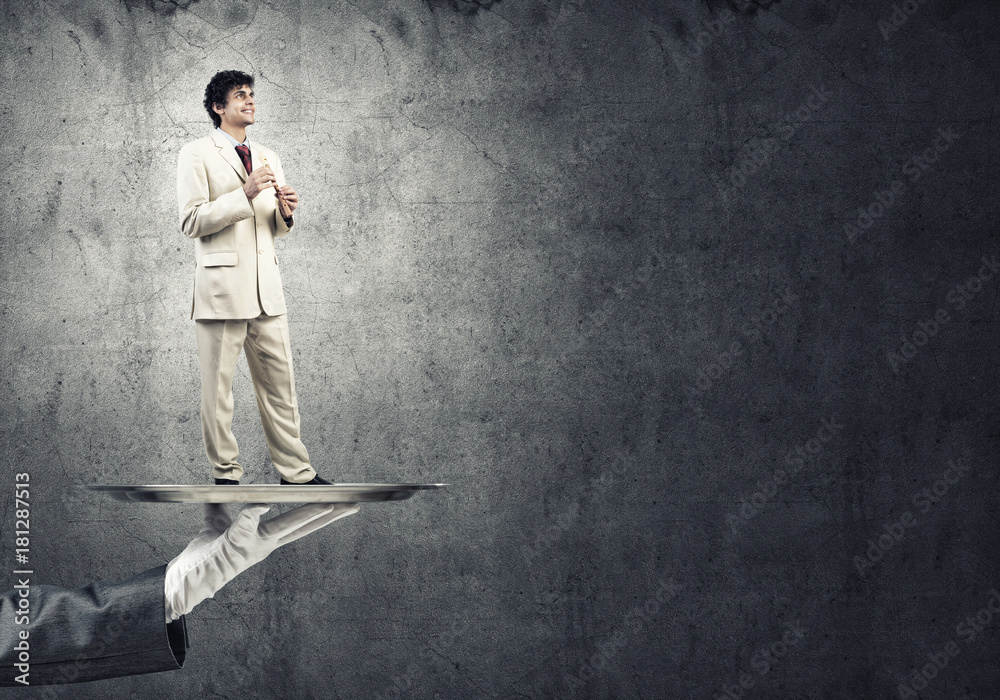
<point>265,493</point>
<point>160,487</point>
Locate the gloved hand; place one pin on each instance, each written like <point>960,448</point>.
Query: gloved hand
<point>224,549</point>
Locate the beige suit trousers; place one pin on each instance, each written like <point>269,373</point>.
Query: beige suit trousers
<point>269,357</point>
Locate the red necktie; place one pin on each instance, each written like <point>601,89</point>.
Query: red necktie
<point>244,152</point>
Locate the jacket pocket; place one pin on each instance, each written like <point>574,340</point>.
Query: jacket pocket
<point>221,258</point>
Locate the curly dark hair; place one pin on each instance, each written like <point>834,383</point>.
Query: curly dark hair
<point>219,88</point>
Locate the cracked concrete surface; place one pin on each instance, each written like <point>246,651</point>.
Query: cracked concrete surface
<point>524,265</point>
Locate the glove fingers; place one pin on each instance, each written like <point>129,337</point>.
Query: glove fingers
<point>342,510</point>
<point>248,518</point>
<point>259,508</point>
<point>299,522</point>
<point>281,525</point>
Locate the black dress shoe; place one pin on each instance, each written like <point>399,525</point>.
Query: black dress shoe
<point>227,482</point>
<point>315,481</point>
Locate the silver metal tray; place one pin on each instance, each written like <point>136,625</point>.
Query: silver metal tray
<point>262,493</point>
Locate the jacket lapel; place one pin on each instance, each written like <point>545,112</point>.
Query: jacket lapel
<point>229,153</point>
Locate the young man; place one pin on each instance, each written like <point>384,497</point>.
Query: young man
<point>224,184</point>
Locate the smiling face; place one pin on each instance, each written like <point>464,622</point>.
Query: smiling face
<point>239,110</point>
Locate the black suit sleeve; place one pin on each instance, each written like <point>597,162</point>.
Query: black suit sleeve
<point>101,630</point>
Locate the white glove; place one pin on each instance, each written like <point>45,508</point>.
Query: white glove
<point>223,550</point>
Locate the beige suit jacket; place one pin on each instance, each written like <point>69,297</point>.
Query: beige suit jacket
<point>236,273</point>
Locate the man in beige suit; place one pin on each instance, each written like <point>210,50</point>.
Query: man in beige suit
<point>224,184</point>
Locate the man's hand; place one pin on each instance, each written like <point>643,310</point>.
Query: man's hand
<point>258,181</point>
<point>290,197</point>
<point>224,549</point>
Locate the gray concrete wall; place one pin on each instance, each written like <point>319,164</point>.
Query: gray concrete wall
<point>589,262</point>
